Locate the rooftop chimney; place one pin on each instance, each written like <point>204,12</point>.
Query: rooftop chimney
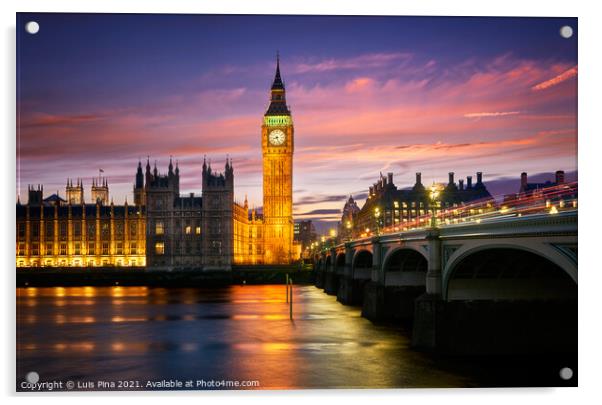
<point>523,181</point>
<point>418,178</point>
<point>461,184</point>
<point>468,182</point>
<point>390,178</point>
<point>560,177</point>
<point>451,178</point>
<point>479,177</point>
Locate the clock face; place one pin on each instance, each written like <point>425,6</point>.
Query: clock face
<point>277,137</point>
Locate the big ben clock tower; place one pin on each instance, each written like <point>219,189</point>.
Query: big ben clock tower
<point>277,145</point>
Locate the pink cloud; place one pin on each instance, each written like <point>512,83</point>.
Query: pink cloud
<point>491,114</point>
<point>566,75</point>
<point>372,60</point>
<point>422,117</point>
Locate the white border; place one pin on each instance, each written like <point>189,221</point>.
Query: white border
<point>590,68</point>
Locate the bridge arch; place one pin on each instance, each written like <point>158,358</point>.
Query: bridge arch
<point>394,252</point>
<point>405,266</point>
<point>362,259</point>
<point>506,271</point>
<point>340,262</point>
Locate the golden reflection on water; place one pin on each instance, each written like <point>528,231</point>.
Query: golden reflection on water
<point>247,326</point>
<point>128,319</point>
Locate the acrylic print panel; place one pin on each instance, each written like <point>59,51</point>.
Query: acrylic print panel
<point>295,202</point>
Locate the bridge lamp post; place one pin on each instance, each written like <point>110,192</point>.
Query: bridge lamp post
<point>434,195</point>
<point>333,236</point>
<point>377,218</point>
<point>348,226</point>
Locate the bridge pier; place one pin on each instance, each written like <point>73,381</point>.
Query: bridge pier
<point>433,275</point>
<point>320,272</point>
<point>319,279</point>
<point>331,281</point>
<point>350,290</point>
<point>373,305</point>
<point>487,327</point>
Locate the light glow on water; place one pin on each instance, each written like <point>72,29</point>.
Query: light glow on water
<point>237,332</point>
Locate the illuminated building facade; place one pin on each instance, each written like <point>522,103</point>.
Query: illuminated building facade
<point>390,208</point>
<point>350,210</point>
<point>165,230</point>
<point>305,233</point>
<point>58,233</point>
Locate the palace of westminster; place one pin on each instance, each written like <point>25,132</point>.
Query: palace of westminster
<point>165,230</point>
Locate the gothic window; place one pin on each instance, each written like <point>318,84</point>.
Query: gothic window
<point>198,230</point>
<point>63,250</point>
<point>91,248</point>
<point>35,229</point>
<point>21,249</point>
<point>105,248</point>
<point>105,230</point>
<point>159,248</point>
<point>119,228</point>
<point>91,230</point>
<point>49,229</point>
<point>77,229</point>
<point>133,248</point>
<point>35,249</point>
<point>21,230</point>
<point>77,249</point>
<point>49,249</point>
<point>133,228</point>
<point>119,248</point>
<point>159,229</point>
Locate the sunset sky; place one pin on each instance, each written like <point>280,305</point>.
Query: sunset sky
<point>367,94</point>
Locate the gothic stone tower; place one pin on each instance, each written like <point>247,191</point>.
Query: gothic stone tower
<point>217,219</point>
<point>100,190</point>
<point>277,145</point>
<point>75,194</point>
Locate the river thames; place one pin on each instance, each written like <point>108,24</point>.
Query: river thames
<point>237,333</point>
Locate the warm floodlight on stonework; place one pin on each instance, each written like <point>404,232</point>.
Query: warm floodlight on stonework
<point>377,219</point>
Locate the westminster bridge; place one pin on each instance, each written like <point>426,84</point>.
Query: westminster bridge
<point>502,285</point>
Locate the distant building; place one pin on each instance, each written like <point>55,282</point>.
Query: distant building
<point>388,207</point>
<point>305,233</point>
<point>350,210</point>
<point>558,194</point>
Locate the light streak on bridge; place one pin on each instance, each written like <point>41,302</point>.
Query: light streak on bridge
<point>550,200</point>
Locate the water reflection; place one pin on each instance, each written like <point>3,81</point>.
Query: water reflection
<point>239,333</point>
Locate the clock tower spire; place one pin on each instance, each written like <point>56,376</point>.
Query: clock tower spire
<point>277,149</point>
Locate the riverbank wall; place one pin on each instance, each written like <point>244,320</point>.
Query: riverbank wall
<point>109,276</point>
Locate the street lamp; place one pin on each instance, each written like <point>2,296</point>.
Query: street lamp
<point>348,226</point>
<point>377,217</point>
<point>434,195</point>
